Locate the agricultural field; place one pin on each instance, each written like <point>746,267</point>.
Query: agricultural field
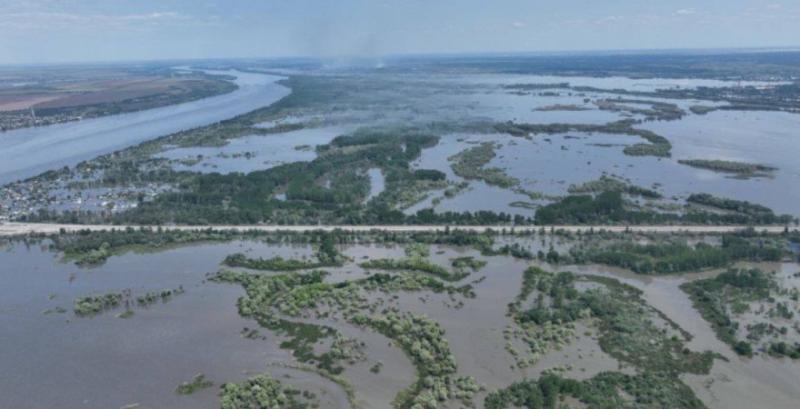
<point>49,96</point>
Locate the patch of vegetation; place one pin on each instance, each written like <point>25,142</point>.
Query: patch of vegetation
<point>416,260</point>
<point>197,383</point>
<point>424,342</point>
<point>413,264</point>
<point>156,296</point>
<point>744,211</point>
<point>678,257</point>
<point>606,390</point>
<point>56,310</point>
<point>271,264</point>
<point>469,164</point>
<point>95,247</point>
<point>92,305</point>
<point>657,145</point>
<point>270,298</point>
<point>626,323</point>
<point>263,293</point>
<point>347,349</point>
<point>327,256</point>
<point>610,207</point>
<point>609,184</point>
<point>604,208</point>
<point>562,107</point>
<point>702,109</point>
<point>741,169</point>
<point>724,299</point>
<point>468,262</point>
<point>661,111</point>
<point>260,392</point>
<point>291,294</point>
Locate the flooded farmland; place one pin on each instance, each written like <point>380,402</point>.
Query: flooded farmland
<point>461,112</point>
<point>690,299</point>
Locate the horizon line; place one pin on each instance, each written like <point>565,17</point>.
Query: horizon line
<point>572,53</point>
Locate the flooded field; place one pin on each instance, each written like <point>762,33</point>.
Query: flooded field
<point>251,153</point>
<point>414,211</point>
<point>461,111</point>
<point>105,361</point>
<point>113,360</point>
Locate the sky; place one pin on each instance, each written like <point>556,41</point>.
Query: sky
<point>40,31</point>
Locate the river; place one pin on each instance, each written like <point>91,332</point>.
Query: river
<point>31,151</point>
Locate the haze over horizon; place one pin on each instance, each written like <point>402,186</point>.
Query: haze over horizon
<point>46,31</point>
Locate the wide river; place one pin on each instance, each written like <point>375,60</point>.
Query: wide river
<point>28,152</point>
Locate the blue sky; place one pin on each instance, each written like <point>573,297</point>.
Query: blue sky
<point>108,30</point>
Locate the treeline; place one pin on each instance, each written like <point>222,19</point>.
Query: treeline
<point>605,390</point>
<point>669,258</point>
<point>94,247</point>
<point>745,211</point>
<point>604,208</point>
<point>609,207</point>
<point>741,168</point>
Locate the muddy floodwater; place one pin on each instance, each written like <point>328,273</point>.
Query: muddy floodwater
<point>60,360</point>
<point>57,359</point>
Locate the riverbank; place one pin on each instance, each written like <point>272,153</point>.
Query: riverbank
<point>30,151</point>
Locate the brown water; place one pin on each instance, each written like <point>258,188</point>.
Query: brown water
<point>59,360</point>
<point>762,381</point>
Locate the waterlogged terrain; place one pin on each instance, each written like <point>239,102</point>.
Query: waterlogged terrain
<point>313,155</point>
<point>108,360</point>
<point>251,153</point>
<point>329,318</point>
<point>207,318</point>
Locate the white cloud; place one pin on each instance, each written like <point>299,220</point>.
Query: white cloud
<point>34,20</point>
<point>518,24</point>
<point>686,12</point>
<point>609,19</point>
